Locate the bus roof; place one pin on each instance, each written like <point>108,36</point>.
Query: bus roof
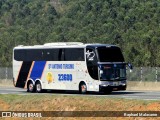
<point>63,45</point>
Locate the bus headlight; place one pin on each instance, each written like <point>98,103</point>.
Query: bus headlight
<point>123,82</point>
<point>101,71</point>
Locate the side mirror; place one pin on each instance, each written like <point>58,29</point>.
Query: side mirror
<point>130,67</point>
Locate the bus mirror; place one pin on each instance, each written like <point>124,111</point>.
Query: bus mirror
<point>130,67</point>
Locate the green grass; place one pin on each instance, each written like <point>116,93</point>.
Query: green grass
<point>51,102</point>
<point>66,103</point>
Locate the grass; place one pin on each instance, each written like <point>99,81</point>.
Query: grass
<point>6,82</point>
<point>143,85</point>
<point>52,102</point>
<point>67,103</point>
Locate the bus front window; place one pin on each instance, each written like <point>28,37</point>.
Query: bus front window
<point>110,54</point>
<point>111,63</point>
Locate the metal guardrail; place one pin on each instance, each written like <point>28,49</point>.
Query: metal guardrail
<point>144,74</point>
<point>151,74</point>
<point>6,73</point>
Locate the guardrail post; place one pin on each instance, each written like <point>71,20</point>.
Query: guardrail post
<point>156,75</point>
<point>6,74</point>
<point>141,74</point>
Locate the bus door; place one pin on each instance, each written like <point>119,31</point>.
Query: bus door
<point>92,66</point>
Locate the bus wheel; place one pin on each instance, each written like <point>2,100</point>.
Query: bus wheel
<point>38,87</point>
<point>83,88</point>
<point>30,87</point>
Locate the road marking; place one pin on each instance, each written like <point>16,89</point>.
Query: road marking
<point>4,93</point>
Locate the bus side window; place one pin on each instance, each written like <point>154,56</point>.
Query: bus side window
<point>74,54</point>
<point>92,63</point>
<point>61,55</point>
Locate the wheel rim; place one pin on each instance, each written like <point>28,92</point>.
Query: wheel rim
<point>30,87</point>
<point>38,87</point>
<point>83,88</point>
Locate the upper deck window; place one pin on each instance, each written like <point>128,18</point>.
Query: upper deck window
<point>110,54</point>
<point>58,54</point>
<point>74,54</point>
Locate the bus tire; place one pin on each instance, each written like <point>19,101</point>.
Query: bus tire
<point>30,86</point>
<point>38,87</point>
<point>83,88</point>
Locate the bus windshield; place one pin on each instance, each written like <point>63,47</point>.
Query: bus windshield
<point>110,54</point>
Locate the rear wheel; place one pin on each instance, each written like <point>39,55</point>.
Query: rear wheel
<point>38,87</point>
<point>83,88</point>
<point>30,87</point>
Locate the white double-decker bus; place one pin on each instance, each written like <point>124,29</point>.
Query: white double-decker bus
<point>69,66</point>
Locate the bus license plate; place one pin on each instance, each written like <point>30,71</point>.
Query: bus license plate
<point>114,83</point>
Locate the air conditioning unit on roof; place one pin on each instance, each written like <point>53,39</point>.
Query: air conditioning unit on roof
<point>63,43</point>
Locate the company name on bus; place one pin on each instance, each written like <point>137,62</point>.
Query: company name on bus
<point>61,66</point>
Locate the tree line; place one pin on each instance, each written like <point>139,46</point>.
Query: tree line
<point>133,25</point>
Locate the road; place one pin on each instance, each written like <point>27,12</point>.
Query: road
<point>143,95</point>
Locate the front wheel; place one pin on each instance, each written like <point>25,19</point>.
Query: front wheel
<point>83,88</point>
<point>38,87</point>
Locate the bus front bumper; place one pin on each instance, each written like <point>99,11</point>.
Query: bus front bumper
<point>103,88</point>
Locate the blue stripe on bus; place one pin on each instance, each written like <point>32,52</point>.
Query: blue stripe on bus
<point>37,70</point>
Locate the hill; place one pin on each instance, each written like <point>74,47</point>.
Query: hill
<point>131,24</point>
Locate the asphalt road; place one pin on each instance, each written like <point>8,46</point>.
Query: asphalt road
<point>144,95</point>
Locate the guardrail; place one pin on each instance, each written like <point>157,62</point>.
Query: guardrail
<point>142,74</point>
<point>6,73</point>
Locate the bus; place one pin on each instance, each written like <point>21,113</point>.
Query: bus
<point>69,66</point>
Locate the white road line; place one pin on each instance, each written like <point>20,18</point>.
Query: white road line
<point>141,99</point>
<point>4,93</point>
<point>130,96</point>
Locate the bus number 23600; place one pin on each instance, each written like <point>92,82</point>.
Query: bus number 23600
<point>65,77</point>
